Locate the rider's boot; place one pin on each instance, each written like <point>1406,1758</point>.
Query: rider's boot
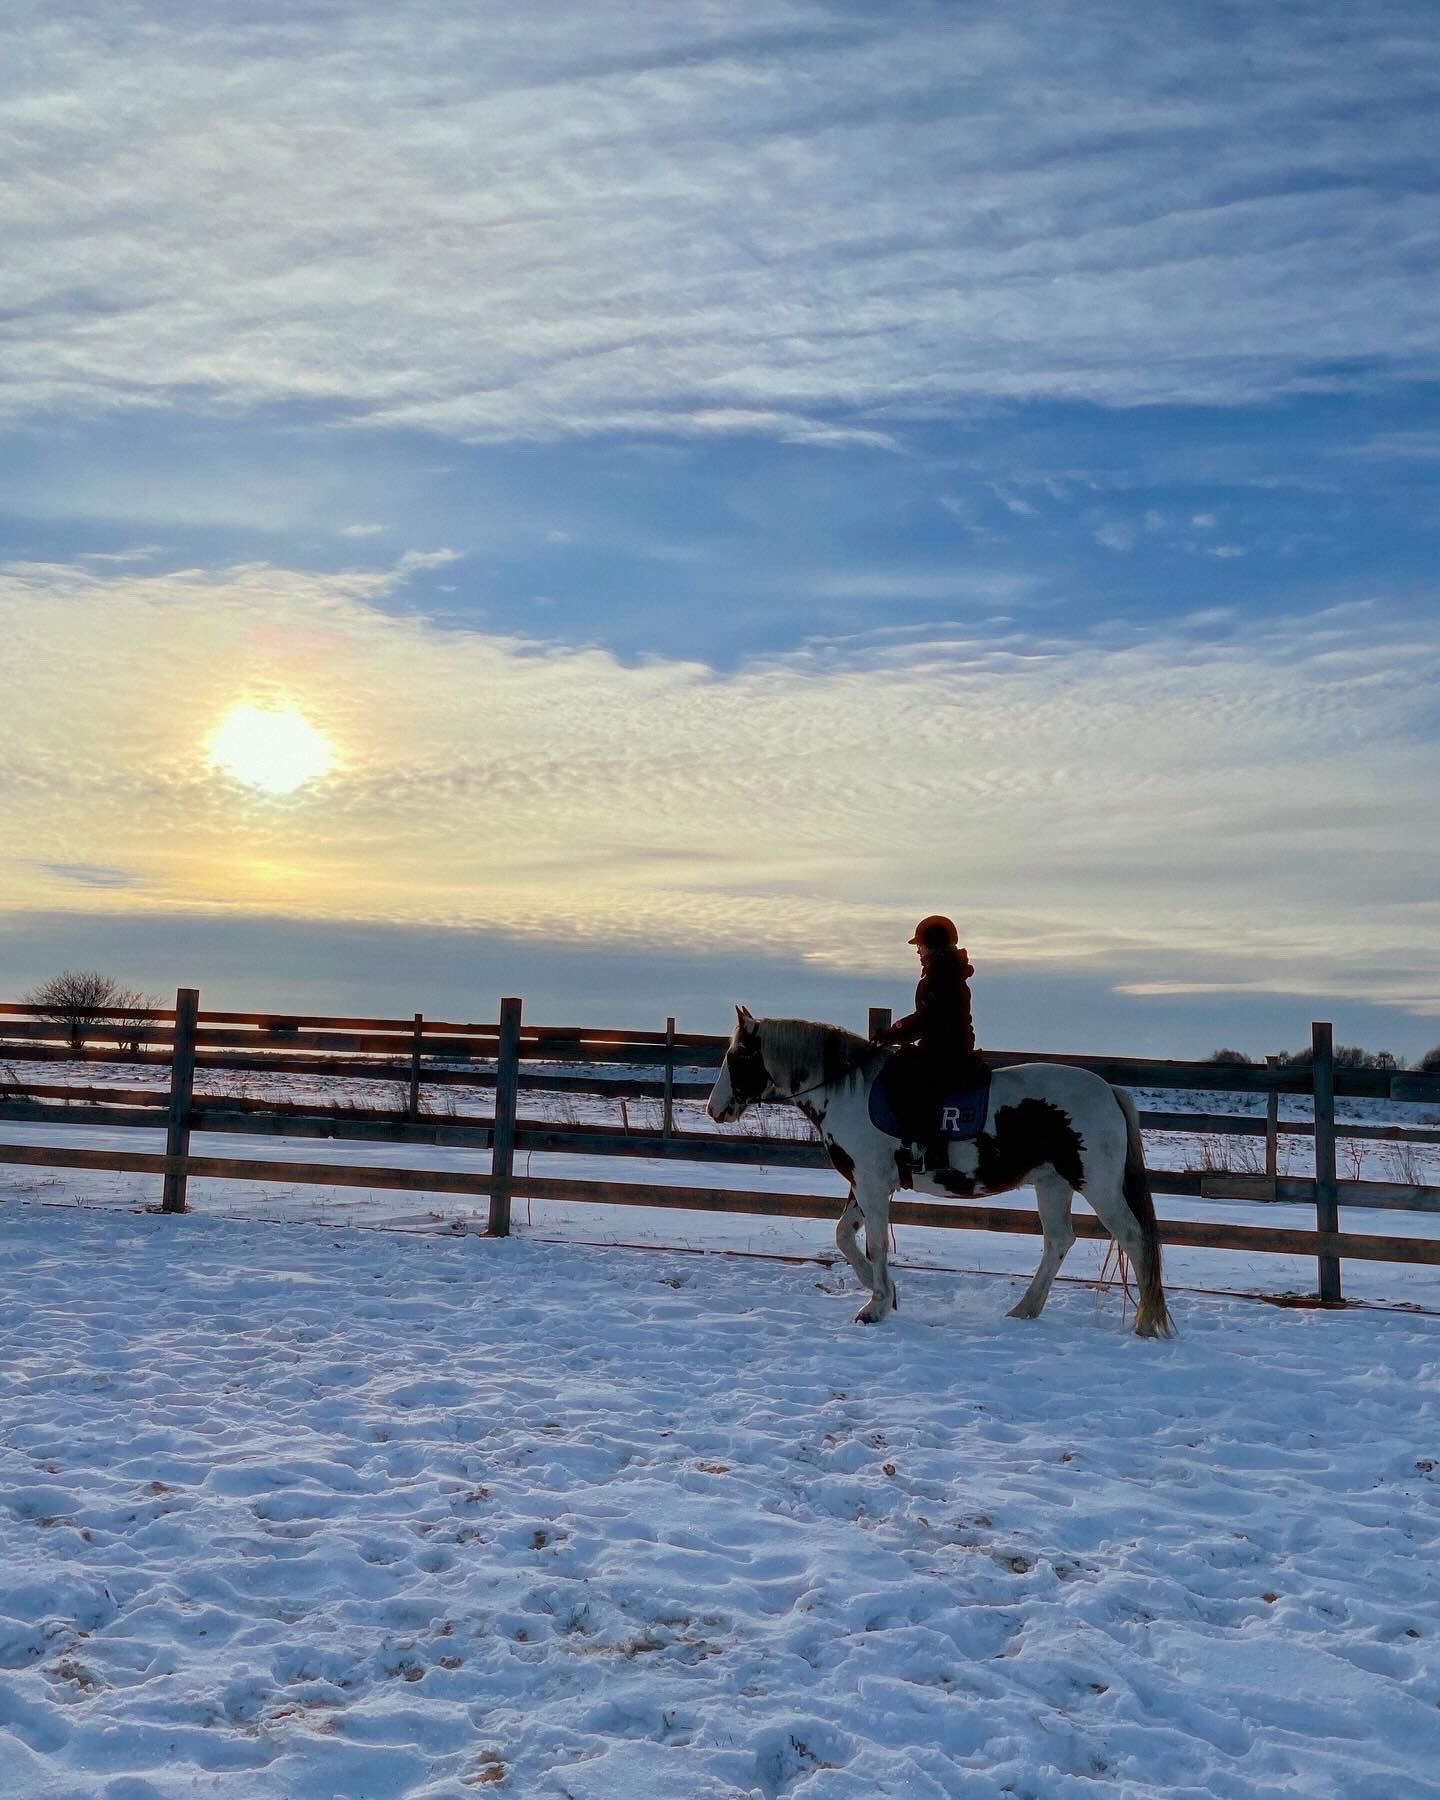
<point>935,1154</point>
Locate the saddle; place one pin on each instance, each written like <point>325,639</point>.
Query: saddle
<point>954,1112</point>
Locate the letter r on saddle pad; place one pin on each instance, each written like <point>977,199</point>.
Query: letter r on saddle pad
<point>961,1115</point>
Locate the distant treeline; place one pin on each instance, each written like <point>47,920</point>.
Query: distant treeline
<point>1347,1056</point>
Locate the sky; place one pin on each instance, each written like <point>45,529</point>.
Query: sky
<point>712,483</point>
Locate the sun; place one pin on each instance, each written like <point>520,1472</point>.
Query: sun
<point>273,748</point>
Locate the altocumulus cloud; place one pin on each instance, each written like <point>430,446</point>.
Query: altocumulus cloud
<point>467,217</point>
<point>1253,812</point>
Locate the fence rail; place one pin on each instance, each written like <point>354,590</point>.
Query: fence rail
<point>135,1101</point>
<point>510,1058</point>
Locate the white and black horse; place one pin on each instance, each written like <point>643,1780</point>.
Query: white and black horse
<point>1059,1128</point>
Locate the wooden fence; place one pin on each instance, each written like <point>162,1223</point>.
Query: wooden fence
<point>510,1058</point>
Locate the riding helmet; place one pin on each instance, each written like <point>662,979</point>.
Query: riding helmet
<point>936,932</point>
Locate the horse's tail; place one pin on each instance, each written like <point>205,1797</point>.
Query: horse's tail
<point>1152,1316</point>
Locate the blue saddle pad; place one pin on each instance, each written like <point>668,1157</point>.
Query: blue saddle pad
<point>959,1115</point>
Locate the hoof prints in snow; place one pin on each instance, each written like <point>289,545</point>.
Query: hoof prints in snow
<point>307,1513</point>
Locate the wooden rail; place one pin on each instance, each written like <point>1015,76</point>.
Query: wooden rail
<point>511,1057</point>
<point>275,1036</point>
<point>1203,1125</point>
<point>1188,1124</point>
<point>1198,1234</point>
<point>291,1119</point>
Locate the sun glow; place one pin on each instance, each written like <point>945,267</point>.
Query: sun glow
<point>273,748</point>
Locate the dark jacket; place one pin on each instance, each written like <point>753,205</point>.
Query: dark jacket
<point>940,1022</point>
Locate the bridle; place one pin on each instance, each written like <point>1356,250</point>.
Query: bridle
<point>743,1061</point>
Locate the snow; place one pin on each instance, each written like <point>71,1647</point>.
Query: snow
<point>315,1510</point>
<point>311,1511</point>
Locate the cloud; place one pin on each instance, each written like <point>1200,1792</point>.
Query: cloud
<point>1254,810</point>
<point>966,510</point>
<point>981,587</point>
<point>1397,446</point>
<point>426,559</point>
<point>120,558</point>
<point>788,217</point>
<point>788,427</point>
<point>97,875</point>
<point>1156,988</point>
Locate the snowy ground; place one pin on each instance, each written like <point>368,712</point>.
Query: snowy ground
<point>330,1513</point>
<point>312,1512</point>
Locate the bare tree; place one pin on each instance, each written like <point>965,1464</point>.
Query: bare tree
<point>75,998</point>
<point>1347,1056</point>
<point>134,1025</point>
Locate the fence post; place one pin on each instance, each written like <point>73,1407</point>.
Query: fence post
<point>413,1109</point>
<point>502,1138</point>
<point>667,1117</point>
<point>1272,1127</point>
<point>182,1089</point>
<point>878,1020</point>
<point>1327,1199</point>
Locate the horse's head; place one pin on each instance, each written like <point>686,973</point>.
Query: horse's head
<point>743,1077</point>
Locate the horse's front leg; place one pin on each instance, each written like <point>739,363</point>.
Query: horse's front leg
<point>875,1206</point>
<point>845,1237</point>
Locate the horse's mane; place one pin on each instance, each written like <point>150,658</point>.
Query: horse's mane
<point>797,1048</point>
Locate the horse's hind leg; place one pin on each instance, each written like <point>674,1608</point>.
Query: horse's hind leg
<point>1054,1194</point>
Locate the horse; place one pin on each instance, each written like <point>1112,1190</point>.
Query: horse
<point>1061,1128</point>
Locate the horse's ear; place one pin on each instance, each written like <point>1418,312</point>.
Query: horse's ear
<point>744,1020</point>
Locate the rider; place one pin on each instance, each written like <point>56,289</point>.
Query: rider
<point>938,1038</point>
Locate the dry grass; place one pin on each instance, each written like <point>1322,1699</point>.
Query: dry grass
<point>1350,1154</point>
<point>15,1088</point>
<point>1409,1164</point>
<point>1221,1154</point>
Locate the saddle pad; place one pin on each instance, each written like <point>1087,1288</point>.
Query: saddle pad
<point>959,1115</point>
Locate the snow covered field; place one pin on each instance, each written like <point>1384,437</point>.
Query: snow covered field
<point>312,1512</point>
